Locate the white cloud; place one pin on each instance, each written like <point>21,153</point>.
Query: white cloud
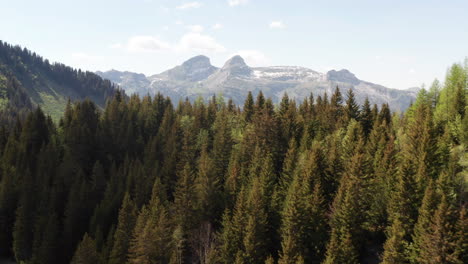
<point>411,71</point>
<point>197,42</point>
<point>277,25</point>
<point>179,22</point>
<point>195,28</point>
<point>189,5</point>
<point>254,58</point>
<point>146,44</point>
<point>237,2</point>
<point>165,28</point>
<point>193,41</point>
<point>217,26</point>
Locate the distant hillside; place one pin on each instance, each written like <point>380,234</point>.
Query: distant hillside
<point>197,77</point>
<point>26,80</point>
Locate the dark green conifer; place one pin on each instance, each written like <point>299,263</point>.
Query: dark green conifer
<point>123,232</point>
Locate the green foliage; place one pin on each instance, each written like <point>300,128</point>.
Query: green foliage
<point>396,245</point>
<point>322,181</point>
<point>122,235</point>
<point>37,82</point>
<point>86,252</point>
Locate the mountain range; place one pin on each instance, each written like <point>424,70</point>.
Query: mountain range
<point>197,77</point>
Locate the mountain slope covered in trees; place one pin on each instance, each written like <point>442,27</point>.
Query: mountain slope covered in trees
<point>26,80</point>
<point>323,181</point>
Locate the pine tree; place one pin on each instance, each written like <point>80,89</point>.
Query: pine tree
<point>303,228</point>
<point>185,199</point>
<point>260,102</point>
<point>346,220</point>
<point>248,107</point>
<point>207,188</point>
<point>292,229</point>
<point>23,228</point>
<point>222,144</point>
<point>403,201</point>
<point>352,108</point>
<point>255,239</point>
<point>86,252</point>
<point>396,245</point>
<point>234,177</point>
<point>140,249</point>
<point>122,236</point>
<point>151,241</point>
<point>284,105</point>
<point>233,230</point>
<point>426,213</point>
<point>366,117</point>
<point>461,239</point>
<point>77,211</point>
<point>336,108</point>
<point>438,243</point>
<point>384,114</point>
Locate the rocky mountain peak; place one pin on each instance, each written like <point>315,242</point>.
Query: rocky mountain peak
<point>342,76</point>
<point>237,66</point>
<point>194,69</point>
<point>197,62</point>
<point>235,61</point>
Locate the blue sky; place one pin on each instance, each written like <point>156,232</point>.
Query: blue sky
<point>397,43</point>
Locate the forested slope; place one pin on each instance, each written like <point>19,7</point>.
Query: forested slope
<point>45,84</point>
<point>326,181</point>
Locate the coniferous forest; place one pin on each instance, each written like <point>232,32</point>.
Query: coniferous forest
<point>147,180</point>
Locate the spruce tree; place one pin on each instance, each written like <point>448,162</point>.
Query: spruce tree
<point>151,240</point>
<point>248,107</point>
<point>346,220</point>
<point>123,232</point>
<point>86,252</point>
<point>352,108</point>
<point>396,245</point>
<point>207,190</point>
<point>366,117</point>
<point>438,244</point>
<point>255,240</point>
<point>426,213</point>
<point>233,230</point>
<point>260,102</point>
<point>23,227</point>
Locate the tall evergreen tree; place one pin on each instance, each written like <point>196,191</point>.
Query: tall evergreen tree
<point>352,108</point>
<point>438,244</point>
<point>366,117</point>
<point>248,107</point>
<point>86,252</point>
<point>122,235</point>
<point>426,213</point>
<point>396,245</point>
